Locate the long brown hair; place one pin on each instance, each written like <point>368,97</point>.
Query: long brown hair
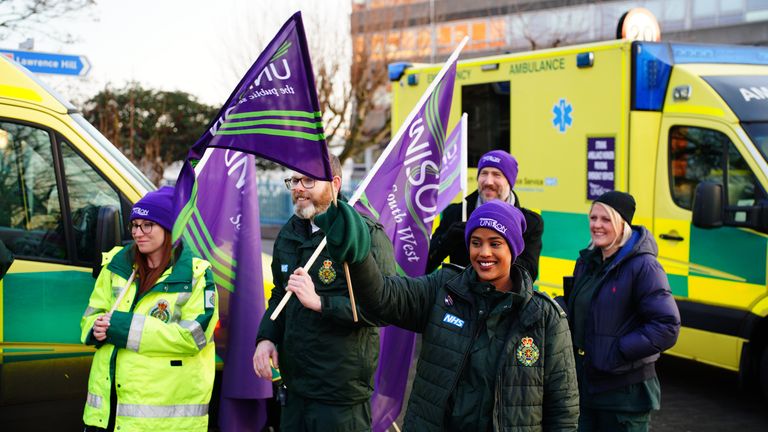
<point>148,276</point>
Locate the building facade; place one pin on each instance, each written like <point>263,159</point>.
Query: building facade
<point>428,31</point>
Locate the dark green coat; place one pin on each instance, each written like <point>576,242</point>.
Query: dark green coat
<point>442,306</point>
<point>323,356</point>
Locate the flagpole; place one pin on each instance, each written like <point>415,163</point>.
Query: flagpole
<point>346,274</point>
<point>380,161</point>
<point>392,143</point>
<point>463,169</point>
<point>123,292</point>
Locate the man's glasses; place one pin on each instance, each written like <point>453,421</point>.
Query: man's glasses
<point>145,227</point>
<point>293,182</point>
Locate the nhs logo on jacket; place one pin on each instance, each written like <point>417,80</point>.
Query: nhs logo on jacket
<point>453,320</point>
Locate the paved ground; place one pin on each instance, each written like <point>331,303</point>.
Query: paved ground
<point>700,398</point>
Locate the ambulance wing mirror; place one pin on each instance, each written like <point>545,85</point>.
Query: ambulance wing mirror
<point>107,234</point>
<point>708,205</point>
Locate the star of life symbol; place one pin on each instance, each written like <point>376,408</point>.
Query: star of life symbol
<point>562,111</point>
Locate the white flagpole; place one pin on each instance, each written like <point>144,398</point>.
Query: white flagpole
<point>123,292</point>
<point>464,167</point>
<point>380,161</point>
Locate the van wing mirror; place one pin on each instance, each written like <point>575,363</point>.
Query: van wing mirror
<point>107,234</point>
<point>708,205</point>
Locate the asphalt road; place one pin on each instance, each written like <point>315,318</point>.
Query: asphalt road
<point>700,398</point>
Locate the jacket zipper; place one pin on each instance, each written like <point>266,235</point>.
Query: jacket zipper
<point>461,364</point>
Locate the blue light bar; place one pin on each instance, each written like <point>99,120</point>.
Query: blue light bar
<point>652,66</point>
<point>721,54</point>
<point>396,70</point>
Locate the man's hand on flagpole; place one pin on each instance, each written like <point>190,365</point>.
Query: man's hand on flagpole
<point>265,351</point>
<point>300,283</point>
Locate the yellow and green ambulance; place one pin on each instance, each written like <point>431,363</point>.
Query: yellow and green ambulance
<point>682,127</point>
<point>65,195</point>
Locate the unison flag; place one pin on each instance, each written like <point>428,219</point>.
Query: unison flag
<point>401,193</point>
<point>273,113</point>
<point>224,229</point>
<point>453,170</point>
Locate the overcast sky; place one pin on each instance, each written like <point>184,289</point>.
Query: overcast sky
<point>202,47</point>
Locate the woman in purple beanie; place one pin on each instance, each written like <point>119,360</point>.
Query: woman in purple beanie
<point>495,355</point>
<point>622,315</point>
<point>151,318</point>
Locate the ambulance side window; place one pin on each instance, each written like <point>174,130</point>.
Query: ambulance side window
<point>87,192</point>
<point>487,106</point>
<point>30,213</point>
<point>700,154</point>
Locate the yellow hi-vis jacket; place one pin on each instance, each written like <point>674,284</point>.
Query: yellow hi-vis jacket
<point>159,351</point>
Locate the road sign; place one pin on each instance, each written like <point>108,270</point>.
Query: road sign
<point>49,63</point>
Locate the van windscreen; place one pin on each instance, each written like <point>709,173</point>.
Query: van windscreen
<point>758,133</point>
<point>746,95</point>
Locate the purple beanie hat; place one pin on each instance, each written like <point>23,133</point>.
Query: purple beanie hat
<point>501,160</point>
<point>501,217</point>
<point>156,206</point>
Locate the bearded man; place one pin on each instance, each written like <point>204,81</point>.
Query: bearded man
<point>326,360</point>
<point>496,176</point>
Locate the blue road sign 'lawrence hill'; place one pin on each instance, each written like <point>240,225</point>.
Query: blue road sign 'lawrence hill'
<point>49,63</point>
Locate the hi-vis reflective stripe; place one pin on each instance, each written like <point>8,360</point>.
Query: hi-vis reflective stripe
<point>93,400</point>
<point>197,332</point>
<point>181,300</point>
<point>131,410</point>
<point>134,334</point>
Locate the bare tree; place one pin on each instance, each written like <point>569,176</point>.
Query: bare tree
<point>24,16</point>
<point>350,75</point>
<point>357,108</point>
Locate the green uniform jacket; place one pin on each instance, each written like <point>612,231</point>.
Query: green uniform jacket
<point>159,351</point>
<point>323,356</point>
<point>539,396</point>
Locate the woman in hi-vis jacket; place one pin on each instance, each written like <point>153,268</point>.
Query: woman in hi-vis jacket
<point>154,365</point>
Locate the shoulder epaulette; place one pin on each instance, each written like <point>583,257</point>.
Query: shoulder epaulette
<point>552,301</point>
<point>106,257</point>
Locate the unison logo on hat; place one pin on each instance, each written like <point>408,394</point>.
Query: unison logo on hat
<point>493,223</point>
<point>492,159</point>
<point>140,211</point>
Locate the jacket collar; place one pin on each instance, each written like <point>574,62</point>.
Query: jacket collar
<point>464,283</point>
<point>640,243</point>
<point>180,269</point>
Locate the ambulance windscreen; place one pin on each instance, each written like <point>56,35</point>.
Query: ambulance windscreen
<point>746,95</point>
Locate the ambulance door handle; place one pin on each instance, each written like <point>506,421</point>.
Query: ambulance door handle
<point>671,236</point>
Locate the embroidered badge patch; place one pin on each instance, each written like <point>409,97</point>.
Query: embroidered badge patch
<point>527,352</point>
<point>210,299</point>
<point>284,268</point>
<point>160,311</point>
<point>327,274</point>
<point>453,320</point>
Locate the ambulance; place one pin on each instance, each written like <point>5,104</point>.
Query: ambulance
<point>682,127</point>
<point>65,196</point>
